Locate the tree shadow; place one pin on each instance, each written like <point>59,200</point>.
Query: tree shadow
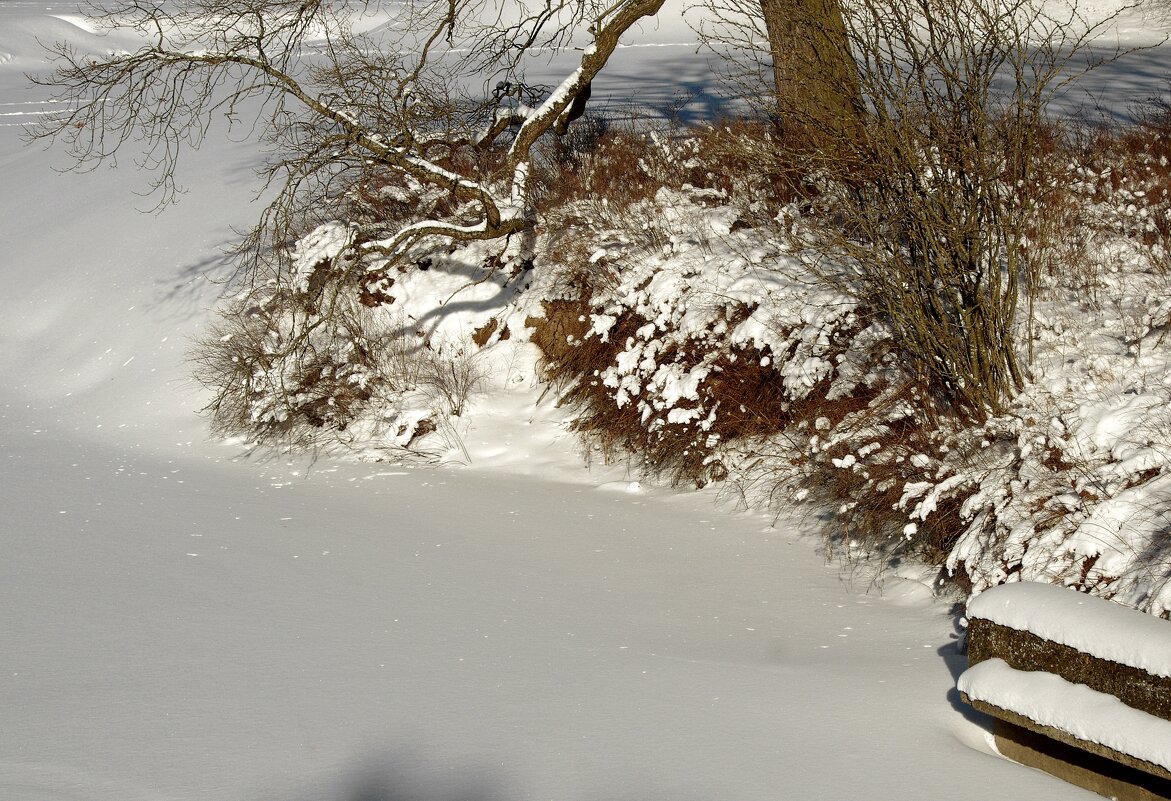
<point>411,775</point>
<point>403,776</point>
<point>695,88</point>
<point>1114,92</point>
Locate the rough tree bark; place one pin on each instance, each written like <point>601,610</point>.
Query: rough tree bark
<point>816,80</point>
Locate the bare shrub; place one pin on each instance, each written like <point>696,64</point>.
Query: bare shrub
<point>451,375</point>
<point>931,201</point>
<point>603,168</point>
<point>280,384</point>
<point>598,159</point>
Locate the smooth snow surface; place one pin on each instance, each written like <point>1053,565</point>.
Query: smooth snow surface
<point>183,623</point>
<point>1073,708</point>
<point>1092,625</point>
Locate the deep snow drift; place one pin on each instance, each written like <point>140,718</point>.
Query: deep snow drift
<point>183,623</point>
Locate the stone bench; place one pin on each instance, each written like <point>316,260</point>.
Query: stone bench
<point>1079,687</point>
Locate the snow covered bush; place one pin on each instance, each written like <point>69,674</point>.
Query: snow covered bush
<point>342,351</point>
<point>1072,484</point>
<point>674,327</point>
<point>1069,483</point>
<point>689,327</point>
<point>1079,497</point>
<point>713,349</point>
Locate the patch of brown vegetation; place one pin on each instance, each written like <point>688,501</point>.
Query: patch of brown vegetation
<point>484,333</point>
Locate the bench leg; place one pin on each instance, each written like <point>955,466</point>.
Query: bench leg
<point>1086,770</point>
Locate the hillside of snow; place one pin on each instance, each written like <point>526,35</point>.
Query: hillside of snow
<point>188,622</point>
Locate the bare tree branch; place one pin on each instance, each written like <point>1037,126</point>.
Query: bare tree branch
<point>333,105</point>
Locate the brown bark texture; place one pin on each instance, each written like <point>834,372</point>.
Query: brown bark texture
<point>816,81</point>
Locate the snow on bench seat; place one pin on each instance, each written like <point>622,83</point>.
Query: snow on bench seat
<point>1074,709</point>
<point>1078,686</point>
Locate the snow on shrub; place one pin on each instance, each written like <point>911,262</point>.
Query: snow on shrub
<point>715,335</point>
<point>688,330</point>
<point>1074,487</point>
<point>339,351</point>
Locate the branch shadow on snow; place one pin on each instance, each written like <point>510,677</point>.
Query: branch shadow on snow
<point>194,287</point>
<point>1115,92</point>
<point>453,306</point>
<point>692,89</point>
<point>693,93</point>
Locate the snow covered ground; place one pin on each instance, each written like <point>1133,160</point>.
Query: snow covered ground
<point>181,622</point>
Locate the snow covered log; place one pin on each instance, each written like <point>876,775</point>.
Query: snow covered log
<point>1079,686</point>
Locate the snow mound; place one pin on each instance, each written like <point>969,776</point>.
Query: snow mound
<point>77,21</point>
<point>631,487</point>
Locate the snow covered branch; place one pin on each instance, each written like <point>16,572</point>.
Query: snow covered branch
<point>338,108</point>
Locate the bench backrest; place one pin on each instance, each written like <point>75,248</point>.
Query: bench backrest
<point>1082,638</point>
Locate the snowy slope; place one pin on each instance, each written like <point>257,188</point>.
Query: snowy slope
<point>187,629</point>
<point>184,623</point>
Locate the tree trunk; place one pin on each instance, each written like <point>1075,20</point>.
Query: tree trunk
<point>819,98</point>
